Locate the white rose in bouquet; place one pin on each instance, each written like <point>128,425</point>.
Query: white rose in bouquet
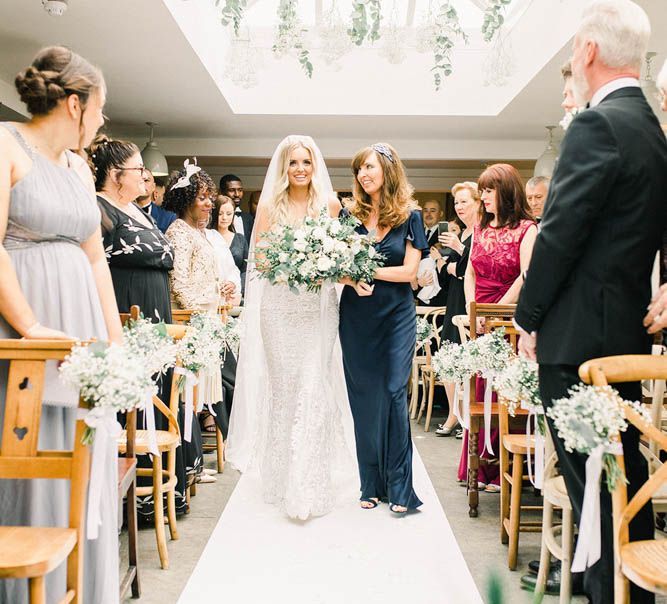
<point>324,264</point>
<point>319,233</point>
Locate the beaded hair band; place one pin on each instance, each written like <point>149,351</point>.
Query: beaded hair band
<point>383,150</point>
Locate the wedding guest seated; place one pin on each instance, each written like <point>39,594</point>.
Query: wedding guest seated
<point>537,189</point>
<point>151,202</point>
<point>232,187</point>
<point>222,222</point>
<point>219,234</point>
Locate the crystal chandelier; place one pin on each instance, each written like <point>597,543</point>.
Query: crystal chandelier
<point>650,88</point>
<point>499,63</point>
<point>333,34</point>
<point>241,65</point>
<point>393,48</point>
<point>545,164</point>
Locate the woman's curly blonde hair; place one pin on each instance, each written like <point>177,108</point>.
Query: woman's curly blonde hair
<point>396,195</point>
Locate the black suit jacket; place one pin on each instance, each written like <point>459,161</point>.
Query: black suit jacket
<point>248,224</point>
<point>440,299</point>
<point>588,283</point>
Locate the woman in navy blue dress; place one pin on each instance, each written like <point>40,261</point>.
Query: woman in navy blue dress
<point>377,329</point>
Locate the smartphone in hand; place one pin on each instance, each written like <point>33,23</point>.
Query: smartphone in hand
<point>443,227</point>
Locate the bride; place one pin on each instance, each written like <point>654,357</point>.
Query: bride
<point>290,415</point>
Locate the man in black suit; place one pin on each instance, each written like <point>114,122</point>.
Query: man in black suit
<point>232,187</point>
<point>432,214</point>
<point>588,284</point>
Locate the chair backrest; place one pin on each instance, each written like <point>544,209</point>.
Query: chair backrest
<point>131,416</point>
<point>619,369</point>
<point>20,456</point>
<point>463,325</point>
<point>503,312</point>
<point>433,317</point>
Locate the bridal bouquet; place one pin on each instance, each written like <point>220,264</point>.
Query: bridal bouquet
<point>590,420</point>
<point>151,342</point>
<point>517,386</point>
<point>425,332</point>
<point>108,377</point>
<point>321,249</point>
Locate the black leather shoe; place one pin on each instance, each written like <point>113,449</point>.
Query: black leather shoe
<point>552,587</point>
<point>534,566</point>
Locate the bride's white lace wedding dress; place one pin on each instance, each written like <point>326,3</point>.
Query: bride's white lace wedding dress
<point>290,415</point>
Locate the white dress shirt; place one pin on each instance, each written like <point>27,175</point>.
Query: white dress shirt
<point>227,269</point>
<point>238,222</point>
<point>604,91</point>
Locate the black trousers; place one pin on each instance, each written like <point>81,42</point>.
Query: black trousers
<point>555,380</point>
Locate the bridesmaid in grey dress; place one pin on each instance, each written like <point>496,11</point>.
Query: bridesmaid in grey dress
<point>56,284</point>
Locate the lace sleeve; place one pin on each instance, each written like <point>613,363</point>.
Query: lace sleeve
<point>181,277</point>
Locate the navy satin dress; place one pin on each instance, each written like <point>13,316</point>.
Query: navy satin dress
<point>377,335</point>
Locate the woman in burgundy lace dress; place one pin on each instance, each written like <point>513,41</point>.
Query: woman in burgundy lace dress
<point>501,248</point>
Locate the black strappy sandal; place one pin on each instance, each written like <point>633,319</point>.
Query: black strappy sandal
<point>370,500</point>
<point>393,508</point>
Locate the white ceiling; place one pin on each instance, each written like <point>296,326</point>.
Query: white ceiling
<point>154,73</point>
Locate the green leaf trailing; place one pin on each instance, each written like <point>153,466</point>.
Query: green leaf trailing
<point>290,35</point>
<point>448,27</point>
<point>232,12</point>
<point>494,17</point>
<point>361,29</point>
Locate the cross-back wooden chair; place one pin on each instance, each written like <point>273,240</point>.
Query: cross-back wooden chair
<point>164,479</point>
<point>429,378</point>
<point>418,360</point>
<point>211,441</point>
<point>127,489</point>
<point>642,562</point>
<point>514,450</point>
<point>501,312</point>
<point>30,552</point>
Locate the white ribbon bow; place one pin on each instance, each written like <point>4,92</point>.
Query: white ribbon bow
<point>103,421</point>
<point>588,544</point>
<point>190,382</point>
<point>488,395</point>
<point>463,415</point>
<point>538,480</point>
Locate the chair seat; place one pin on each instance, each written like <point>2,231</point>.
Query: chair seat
<point>165,441</point>
<point>516,443</point>
<point>33,551</point>
<point>127,470</point>
<point>645,563</point>
<point>556,493</point>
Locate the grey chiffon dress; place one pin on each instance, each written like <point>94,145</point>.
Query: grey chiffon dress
<point>50,214</point>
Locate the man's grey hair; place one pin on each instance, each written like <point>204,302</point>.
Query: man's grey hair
<point>538,180</point>
<point>620,28</point>
<point>435,201</point>
<point>661,81</point>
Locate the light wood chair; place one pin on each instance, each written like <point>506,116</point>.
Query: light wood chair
<point>418,360</point>
<point>127,489</point>
<point>642,562</point>
<point>498,312</point>
<point>429,378</point>
<point>211,441</point>
<point>555,496</point>
<point>163,479</point>
<point>30,552</point>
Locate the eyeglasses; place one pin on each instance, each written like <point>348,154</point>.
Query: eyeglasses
<point>141,169</point>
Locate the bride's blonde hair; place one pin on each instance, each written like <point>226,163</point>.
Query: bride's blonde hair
<point>279,211</point>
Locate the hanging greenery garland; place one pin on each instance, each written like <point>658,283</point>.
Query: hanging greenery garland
<point>447,28</point>
<point>290,35</point>
<point>494,18</point>
<point>361,29</point>
<point>232,12</point>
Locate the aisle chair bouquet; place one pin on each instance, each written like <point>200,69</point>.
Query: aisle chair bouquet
<point>321,249</point>
<point>490,353</point>
<point>201,353</point>
<point>590,421</point>
<point>518,386</point>
<point>425,332</point>
<point>454,363</point>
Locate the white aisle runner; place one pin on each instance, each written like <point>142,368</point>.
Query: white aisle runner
<point>257,555</point>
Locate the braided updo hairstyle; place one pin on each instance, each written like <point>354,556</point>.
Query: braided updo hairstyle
<point>105,153</point>
<point>179,200</point>
<point>57,72</point>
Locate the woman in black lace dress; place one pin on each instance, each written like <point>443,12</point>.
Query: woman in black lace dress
<point>140,258</point>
